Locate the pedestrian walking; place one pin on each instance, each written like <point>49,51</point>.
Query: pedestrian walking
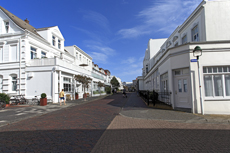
<point>61,96</point>
<point>124,93</point>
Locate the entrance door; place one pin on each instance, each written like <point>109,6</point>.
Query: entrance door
<point>182,91</point>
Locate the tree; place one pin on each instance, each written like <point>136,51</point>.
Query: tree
<point>115,82</point>
<point>100,84</point>
<point>84,80</point>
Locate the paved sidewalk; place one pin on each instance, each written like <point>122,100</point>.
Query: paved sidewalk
<point>21,112</point>
<point>136,108</point>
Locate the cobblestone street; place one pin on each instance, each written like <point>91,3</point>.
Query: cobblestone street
<point>115,124</point>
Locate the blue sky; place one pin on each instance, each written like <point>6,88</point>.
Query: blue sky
<point>114,33</point>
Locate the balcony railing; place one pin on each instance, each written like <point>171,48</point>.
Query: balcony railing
<point>57,62</point>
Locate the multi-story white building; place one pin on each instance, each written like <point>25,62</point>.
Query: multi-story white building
<point>35,61</point>
<point>171,68</point>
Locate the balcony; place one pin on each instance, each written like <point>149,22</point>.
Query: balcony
<point>57,62</point>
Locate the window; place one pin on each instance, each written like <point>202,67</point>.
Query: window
<point>6,26</point>
<point>67,84</point>
<point>184,39</point>
<point>80,58</point>
<point>164,82</point>
<point>43,54</point>
<point>33,53</point>
<point>14,82</point>
<point>147,70</point>
<point>76,55</point>
<point>59,44</point>
<point>217,81</point>
<point>195,35</point>
<point>54,42</point>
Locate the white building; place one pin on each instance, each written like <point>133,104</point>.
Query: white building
<point>171,68</point>
<point>35,61</point>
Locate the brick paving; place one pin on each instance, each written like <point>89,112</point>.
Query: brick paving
<point>131,135</point>
<point>71,129</point>
<point>115,124</point>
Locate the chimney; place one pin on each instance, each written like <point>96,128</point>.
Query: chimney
<point>27,21</point>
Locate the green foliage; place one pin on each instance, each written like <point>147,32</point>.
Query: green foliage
<point>43,95</point>
<point>4,97</point>
<point>115,82</point>
<point>100,84</point>
<point>84,80</point>
<point>108,90</point>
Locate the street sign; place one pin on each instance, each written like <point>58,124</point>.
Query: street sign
<point>193,60</point>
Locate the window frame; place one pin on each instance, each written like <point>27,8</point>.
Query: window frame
<point>67,84</point>
<point>182,40</point>
<point>43,54</point>
<point>7,26</point>
<point>33,51</point>
<point>54,40</point>
<point>208,71</point>
<point>13,82</point>
<point>195,33</point>
<point>59,44</point>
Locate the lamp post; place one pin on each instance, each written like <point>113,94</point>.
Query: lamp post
<point>197,52</point>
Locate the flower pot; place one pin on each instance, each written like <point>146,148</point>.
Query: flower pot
<point>43,101</point>
<point>76,97</point>
<point>85,95</point>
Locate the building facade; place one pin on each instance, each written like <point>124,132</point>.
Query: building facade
<point>172,70</point>
<point>35,61</point>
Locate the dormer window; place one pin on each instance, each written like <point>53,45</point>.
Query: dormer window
<point>54,42</point>
<point>59,44</point>
<point>7,26</point>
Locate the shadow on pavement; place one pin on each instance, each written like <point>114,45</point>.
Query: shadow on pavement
<point>120,141</point>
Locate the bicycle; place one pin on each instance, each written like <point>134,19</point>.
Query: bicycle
<point>35,101</point>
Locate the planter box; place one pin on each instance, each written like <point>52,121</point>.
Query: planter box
<point>43,101</point>
<point>76,97</point>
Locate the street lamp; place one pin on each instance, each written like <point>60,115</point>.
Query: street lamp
<point>197,52</point>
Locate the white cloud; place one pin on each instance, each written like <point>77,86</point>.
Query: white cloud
<point>162,15</point>
<point>97,18</point>
<point>99,57</point>
<point>129,60</point>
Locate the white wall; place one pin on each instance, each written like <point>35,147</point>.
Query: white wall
<point>41,82</point>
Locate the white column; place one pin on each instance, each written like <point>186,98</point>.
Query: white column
<point>54,84</point>
<point>60,81</point>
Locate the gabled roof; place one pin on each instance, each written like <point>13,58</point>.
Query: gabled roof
<point>22,24</point>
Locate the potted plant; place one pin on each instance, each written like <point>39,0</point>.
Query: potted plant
<point>76,95</point>
<point>43,100</point>
<point>6,98</point>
